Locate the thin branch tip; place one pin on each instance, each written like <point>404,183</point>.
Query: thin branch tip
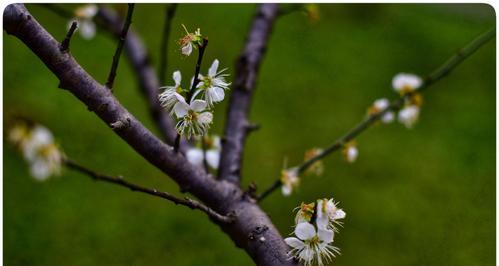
<point>119,48</point>
<point>67,39</point>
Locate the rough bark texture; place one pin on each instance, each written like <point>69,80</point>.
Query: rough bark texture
<point>248,64</point>
<point>148,81</point>
<point>252,230</point>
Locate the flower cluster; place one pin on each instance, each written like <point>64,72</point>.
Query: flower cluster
<point>194,115</point>
<point>38,148</point>
<point>316,224</point>
<point>84,16</point>
<point>406,85</point>
<point>289,180</point>
<point>196,155</point>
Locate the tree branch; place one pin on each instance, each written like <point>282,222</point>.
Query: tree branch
<point>118,180</point>
<point>163,51</point>
<point>247,68</point>
<point>119,48</point>
<point>433,77</point>
<point>252,230</point>
<point>67,39</point>
<point>148,82</point>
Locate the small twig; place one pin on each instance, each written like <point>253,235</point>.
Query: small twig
<point>201,49</point>
<point>163,51</point>
<point>119,48</point>
<point>436,75</point>
<point>67,39</point>
<point>118,180</point>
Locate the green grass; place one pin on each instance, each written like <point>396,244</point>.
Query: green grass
<point>424,196</point>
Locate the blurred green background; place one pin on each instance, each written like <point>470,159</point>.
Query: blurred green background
<point>424,196</point>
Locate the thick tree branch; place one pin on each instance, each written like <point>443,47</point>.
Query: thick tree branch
<point>148,81</point>
<point>248,64</point>
<point>163,51</point>
<point>118,180</point>
<point>119,48</point>
<point>252,230</point>
<point>433,77</point>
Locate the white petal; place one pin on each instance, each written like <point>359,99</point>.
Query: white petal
<point>404,80</point>
<point>177,77</point>
<point>41,136</point>
<point>205,118</point>
<point>217,94</point>
<point>305,231</point>
<point>286,190</point>
<point>294,242</point>
<point>87,29</point>
<point>213,68</point>
<point>388,117</point>
<point>181,109</point>
<point>381,104</point>
<point>352,154</point>
<point>339,214</point>
<point>213,158</point>
<point>40,170</point>
<point>187,49</point>
<point>195,156</point>
<point>198,105</point>
<point>217,143</point>
<point>325,235</point>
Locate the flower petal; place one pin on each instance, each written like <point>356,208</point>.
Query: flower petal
<point>305,231</point>
<point>195,156</point>
<point>339,214</point>
<point>198,105</point>
<point>213,158</point>
<point>187,49</point>
<point>181,109</point>
<point>205,118</point>
<point>177,77</point>
<point>87,29</point>
<point>294,242</point>
<point>213,68</point>
<point>217,94</point>
<point>325,235</point>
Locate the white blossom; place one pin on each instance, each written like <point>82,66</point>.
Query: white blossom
<point>409,115</point>
<point>213,85</point>
<point>171,94</point>
<point>289,180</point>
<point>404,83</point>
<point>39,149</point>
<point>311,245</point>
<point>379,106</point>
<point>190,41</point>
<point>194,120</point>
<point>84,17</point>
<point>328,214</point>
<point>350,152</point>
<point>195,155</point>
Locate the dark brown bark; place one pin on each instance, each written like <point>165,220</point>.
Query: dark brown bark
<point>148,81</point>
<point>248,64</point>
<point>252,229</point>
